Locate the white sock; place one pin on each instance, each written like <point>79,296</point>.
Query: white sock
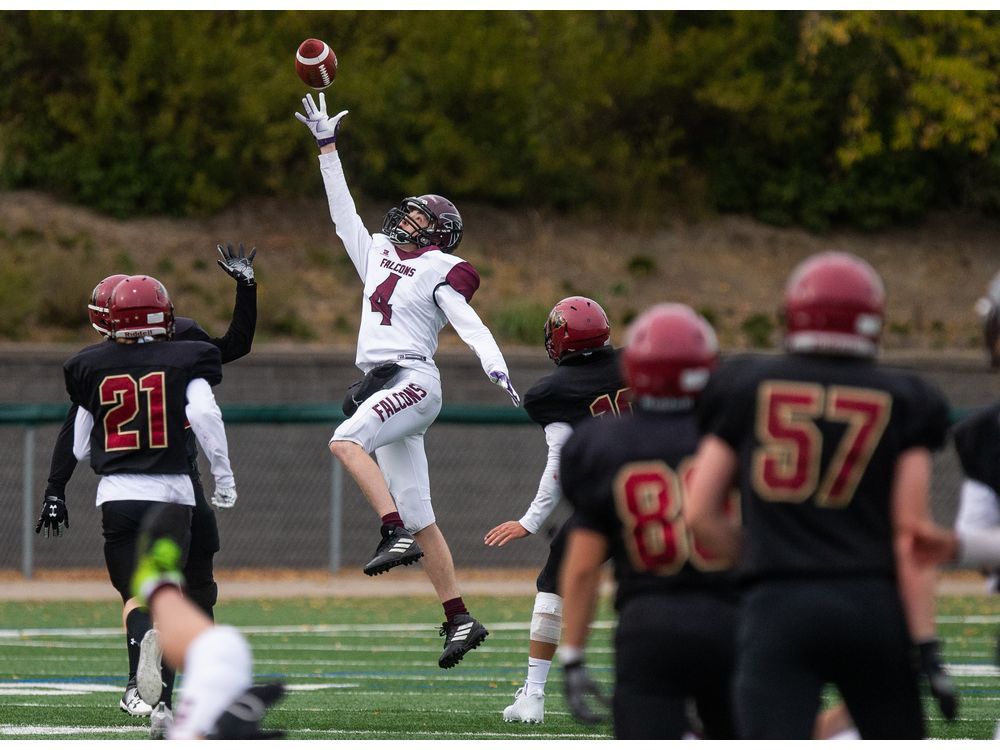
<point>218,668</point>
<point>538,673</point>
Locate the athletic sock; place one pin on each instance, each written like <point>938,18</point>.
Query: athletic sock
<point>393,519</point>
<point>137,622</point>
<point>169,676</point>
<point>453,608</point>
<point>538,674</point>
<point>218,668</point>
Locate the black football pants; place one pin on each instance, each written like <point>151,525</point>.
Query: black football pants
<point>797,635</point>
<point>199,577</point>
<point>120,523</point>
<point>673,652</point>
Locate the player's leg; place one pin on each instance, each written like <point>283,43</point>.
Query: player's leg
<point>879,683</point>
<point>150,683</point>
<point>199,574</point>
<point>405,466</point>
<point>375,425</point>
<point>216,659</point>
<point>777,689</point>
<point>120,522</point>
<point>543,637</point>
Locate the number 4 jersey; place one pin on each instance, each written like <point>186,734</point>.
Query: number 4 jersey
<point>625,479</point>
<point>137,395</point>
<point>817,439</point>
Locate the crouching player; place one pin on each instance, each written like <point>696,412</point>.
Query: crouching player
<point>218,700</point>
<point>677,607</point>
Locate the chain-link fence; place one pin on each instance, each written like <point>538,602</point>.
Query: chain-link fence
<point>296,509</point>
<point>481,473</point>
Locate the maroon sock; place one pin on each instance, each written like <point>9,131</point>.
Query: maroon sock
<point>453,608</point>
<point>393,519</point>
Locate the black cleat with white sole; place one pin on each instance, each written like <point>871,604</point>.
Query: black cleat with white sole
<point>461,635</point>
<point>242,720</point>
<point>398,547</point>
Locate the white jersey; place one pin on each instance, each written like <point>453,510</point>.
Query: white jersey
<point>408,297</point>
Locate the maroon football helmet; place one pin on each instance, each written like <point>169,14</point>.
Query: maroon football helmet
<point>98,307</point>
<point>140,307</point>
<point>576,324</point>
<point>670,351</point>
<point>834,304</point>
<point>444,223</point>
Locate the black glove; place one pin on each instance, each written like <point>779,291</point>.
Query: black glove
<point>578,687</point>
<point>241,721</point>
<point>53,514</point>
<point>240,267</point>
<point>939,681</point>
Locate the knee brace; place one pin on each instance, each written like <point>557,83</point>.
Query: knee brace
<point>546,618</point>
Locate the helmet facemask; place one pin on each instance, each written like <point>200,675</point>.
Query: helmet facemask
<point>444,224</point>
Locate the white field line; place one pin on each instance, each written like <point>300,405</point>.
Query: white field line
<point>396,629</point>
<point>10,729</point>
<point>363,630</point>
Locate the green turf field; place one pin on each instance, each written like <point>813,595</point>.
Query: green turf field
<point>364,669</point>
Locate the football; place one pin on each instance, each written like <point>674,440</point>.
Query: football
<point>316,63</point>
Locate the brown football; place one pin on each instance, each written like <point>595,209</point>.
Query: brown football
<point>316,63</point>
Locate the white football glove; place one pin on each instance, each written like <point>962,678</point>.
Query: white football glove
<point>502,379</point>
<point>323,127</point>
<point>224,497</point>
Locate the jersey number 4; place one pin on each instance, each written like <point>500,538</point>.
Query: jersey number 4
<point>380,298</point>
<point>124,392</point>
<point>786,466</point>
<point>650,500</point>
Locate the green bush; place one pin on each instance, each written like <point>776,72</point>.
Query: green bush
<point>813,117</point>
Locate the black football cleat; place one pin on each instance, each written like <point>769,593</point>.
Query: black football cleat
<point>460,636</point>
<point>241,721</point>
<point>398,547</point>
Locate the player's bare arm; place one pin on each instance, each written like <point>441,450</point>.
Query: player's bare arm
<point>704,512</point>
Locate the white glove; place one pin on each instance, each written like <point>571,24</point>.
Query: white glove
<point>502,379</point>
<point>224,497</point>
<point>323,127</point>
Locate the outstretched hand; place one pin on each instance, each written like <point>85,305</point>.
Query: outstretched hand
<point>323,127</point>
<point>240,267</point>
<point>502,379</point>
<point>505,532</point>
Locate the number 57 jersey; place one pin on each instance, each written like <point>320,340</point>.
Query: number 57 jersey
<point>817,439</point>
<point>137,395</point>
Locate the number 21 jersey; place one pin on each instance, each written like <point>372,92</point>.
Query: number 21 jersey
<point>137,394</point>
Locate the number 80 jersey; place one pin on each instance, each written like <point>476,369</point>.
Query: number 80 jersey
<point>817,440</point>
<point>627,480</point>
<point>137,394</point>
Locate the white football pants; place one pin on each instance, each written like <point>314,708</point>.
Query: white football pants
<point>391,423</point>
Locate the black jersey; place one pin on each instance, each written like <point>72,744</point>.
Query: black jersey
<point>586,384</point>
<point>137,394</point>
<point>817,438</point>
<point>625,479</point>
<point>977,442</point>
<point>234,344</point>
